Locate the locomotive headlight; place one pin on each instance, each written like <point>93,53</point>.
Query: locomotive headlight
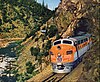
<point>69,52</point>
<point>51,53</point>
<point>59,54</point>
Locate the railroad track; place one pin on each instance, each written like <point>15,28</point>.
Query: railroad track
<point>57,77</point>
<point>54,77</point>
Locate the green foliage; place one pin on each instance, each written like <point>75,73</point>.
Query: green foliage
<point>19,49</point>
<point>34,51</point>
<point>46,53</point>
<point>39,58</point>
<point>58,36</point>
<point>29,67</point>
<point>29,64</point>
<point>26,75</point>
<point>48,45</point>
<point>22,16</point>
<point>19,42</point>
<point>0,22</point>
<point>22,77</point>
<point>52,31</point>
<point>14,71</point>
<point>32,33</point>
<point>19,78</point>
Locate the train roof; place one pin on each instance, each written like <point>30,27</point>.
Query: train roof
<point>75,38</point>
<point>80,37</point>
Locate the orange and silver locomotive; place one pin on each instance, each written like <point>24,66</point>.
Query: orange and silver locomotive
<point>66,53</point>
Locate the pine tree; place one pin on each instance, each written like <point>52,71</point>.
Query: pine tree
<point>46,6</point>
<point>43,3</point>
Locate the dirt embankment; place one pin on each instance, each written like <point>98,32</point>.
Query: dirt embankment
<point>39,77</point>
<point>5,42</point>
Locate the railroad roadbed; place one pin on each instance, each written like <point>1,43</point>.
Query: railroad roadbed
<point>74,75</point>
<point>48,76</point>
<point>54,77</point>
<point>41,76</point>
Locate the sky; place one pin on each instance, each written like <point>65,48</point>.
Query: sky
<point>52,4</point>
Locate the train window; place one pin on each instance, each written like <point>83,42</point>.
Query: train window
<point>82,41</point>
<point>86,39</point>
<point>79,42</point>
<point>67,42</point>
<point>57,42</point>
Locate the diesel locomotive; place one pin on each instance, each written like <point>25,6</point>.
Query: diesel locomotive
<point>66,54</point>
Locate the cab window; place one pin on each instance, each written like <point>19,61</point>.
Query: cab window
<point>67,42</point>
<point>57,42</point>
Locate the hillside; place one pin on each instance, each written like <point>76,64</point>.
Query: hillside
<point>19,17</point>
<point>70,17</point>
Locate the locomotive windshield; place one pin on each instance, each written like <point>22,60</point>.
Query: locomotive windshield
<point>67,42</point>
<point>62,42</point>
<point>57,42</point>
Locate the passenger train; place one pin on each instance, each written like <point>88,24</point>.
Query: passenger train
<point>65,54</point>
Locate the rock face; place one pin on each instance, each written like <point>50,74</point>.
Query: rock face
<point>70,12</point>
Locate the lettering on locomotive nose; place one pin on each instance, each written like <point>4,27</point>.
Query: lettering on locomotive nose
<point>59,58</point>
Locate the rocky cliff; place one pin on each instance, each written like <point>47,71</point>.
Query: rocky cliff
<point>73,14</point>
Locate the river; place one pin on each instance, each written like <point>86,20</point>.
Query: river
<point>7,53</point>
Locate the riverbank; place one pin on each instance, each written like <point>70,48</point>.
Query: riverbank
<point>5,42</point>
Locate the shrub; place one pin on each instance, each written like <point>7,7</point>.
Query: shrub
<point>48,45</point>
<point>29,67</point>
<point>34,51</point>
<point>52,31</point>
<point>58,36</point>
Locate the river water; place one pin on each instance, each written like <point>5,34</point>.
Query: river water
<point>8,52</point>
